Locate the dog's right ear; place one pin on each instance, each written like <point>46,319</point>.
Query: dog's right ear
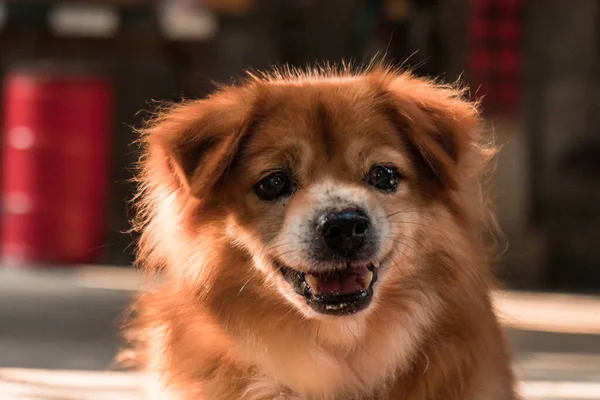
<point>191,145</point>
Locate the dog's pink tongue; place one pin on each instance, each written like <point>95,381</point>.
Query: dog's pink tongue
<point>342,282</point>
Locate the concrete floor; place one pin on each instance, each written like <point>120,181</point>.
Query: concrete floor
<point>67,320</point>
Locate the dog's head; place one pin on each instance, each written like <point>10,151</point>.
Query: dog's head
<point>329,187</point>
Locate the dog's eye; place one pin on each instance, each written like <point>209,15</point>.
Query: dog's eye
<point>384,178</point>
<point>273,186</point>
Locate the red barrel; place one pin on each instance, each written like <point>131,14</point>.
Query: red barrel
<point>55,167</point>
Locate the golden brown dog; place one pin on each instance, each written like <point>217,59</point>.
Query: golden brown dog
<point>319,235</point>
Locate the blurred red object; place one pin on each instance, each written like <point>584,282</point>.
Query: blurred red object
<point>495,53</point>
<point>55,166</point>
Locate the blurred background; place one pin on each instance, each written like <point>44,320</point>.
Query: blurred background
<point>75,75</point>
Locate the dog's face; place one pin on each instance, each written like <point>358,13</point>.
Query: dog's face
<point>325,184</point>
<point>317,185</point>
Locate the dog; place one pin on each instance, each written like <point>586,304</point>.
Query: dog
<point>319,235</point>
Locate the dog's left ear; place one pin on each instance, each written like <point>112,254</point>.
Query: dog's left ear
<point>439,126</point>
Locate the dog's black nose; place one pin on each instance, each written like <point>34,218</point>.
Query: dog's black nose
<point>345,231</point>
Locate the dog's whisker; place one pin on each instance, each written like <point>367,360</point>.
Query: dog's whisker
<point>403,244</point>
<point>244,286</point>
<point>281,255</point>
<point>397,264</point>
<point>398,222</point>
<point>429,227</point>
<point>402,236</point>
<point>276,246</point>
<point>415,209</point>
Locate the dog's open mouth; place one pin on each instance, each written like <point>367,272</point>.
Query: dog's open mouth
<point>340,292</point>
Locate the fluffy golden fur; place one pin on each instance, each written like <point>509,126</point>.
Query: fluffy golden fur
<point>224,324</point>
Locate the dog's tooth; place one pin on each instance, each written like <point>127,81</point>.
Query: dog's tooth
<point>313,282</point>
<point>367,279</point>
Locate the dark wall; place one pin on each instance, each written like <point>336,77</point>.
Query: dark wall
<point>563,120</point>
